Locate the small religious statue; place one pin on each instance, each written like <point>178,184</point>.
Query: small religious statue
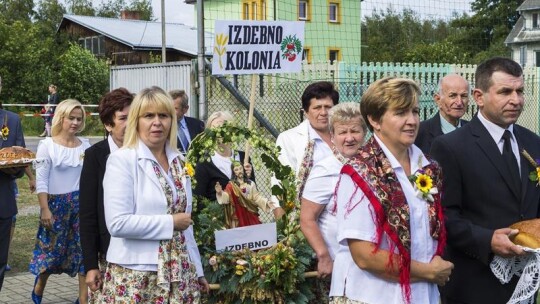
<point>242,200</point>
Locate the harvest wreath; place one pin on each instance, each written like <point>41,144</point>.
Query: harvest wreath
<point>271,275</point>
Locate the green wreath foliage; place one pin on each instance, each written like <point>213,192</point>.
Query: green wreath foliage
<point>271,275</point>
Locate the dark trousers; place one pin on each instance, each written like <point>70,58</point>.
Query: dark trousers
<point>5,231</point>
<point>445,300</point>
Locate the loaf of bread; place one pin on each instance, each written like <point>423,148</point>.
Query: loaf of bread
<point>529,233</point>
<point>15,156</point>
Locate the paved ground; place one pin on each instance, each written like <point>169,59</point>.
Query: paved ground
<point>61,289</point>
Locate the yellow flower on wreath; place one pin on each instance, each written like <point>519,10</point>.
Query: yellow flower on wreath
<point>188,168</point>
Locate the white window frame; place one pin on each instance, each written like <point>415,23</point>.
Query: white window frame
<point>305,5</point>
<point>333,7</point>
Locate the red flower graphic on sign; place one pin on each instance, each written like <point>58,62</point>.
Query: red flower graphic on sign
<point>290,47</point>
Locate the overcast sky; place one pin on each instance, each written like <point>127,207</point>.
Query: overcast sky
<point>178,11</point>
<point>175,11</point>
<point>433,9</point>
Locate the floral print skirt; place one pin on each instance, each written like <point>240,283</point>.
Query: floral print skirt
<point>123,285</point>
<point>58,250</point>
<point>94,297</point>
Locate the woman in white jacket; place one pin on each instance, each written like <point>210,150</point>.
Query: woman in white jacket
<point>153,256</point>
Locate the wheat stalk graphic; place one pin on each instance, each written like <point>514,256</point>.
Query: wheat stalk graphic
<point>219,48</point>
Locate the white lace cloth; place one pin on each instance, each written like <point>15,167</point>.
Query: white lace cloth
<point>527,267</point>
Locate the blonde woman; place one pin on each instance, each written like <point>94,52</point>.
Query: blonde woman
<point>60,157</point>
<point>152,255</point>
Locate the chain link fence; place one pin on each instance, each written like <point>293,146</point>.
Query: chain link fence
<point>277,99</point>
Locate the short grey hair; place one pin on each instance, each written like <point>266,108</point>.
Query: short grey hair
<point>184,99</point>
<point>345,112</point>
<point>225,115</point>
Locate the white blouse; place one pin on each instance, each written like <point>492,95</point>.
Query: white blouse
<point>58,168</point>
<point>359,224</point>
<point>319,189</point>
<point>223,163</point>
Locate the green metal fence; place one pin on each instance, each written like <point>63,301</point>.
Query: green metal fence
<point>278,96</point>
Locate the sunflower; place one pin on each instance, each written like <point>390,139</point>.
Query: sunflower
<point>189,169</point>
<point>424,183</point>
<point>5,132</point>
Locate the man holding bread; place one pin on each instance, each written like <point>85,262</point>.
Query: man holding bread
<point>486,186</point>
<point>12,135</point>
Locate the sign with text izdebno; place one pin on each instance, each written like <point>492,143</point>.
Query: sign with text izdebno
<point>250,237</point>
<point>257,47</point>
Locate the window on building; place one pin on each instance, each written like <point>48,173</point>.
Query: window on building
<point>535,20</point>
<point>254,10</point>
<point>306,54</point>
<point>334,55</point>
<point>537,54</point>
<point>333,11</point>
<point>303,10</point>
<point>523,55</point>
<point>245,11</point>
<point>95,44</point>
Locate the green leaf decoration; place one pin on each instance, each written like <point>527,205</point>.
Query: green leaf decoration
<point>271,275</point>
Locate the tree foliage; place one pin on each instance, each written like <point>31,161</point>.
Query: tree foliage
<point>17,10</point>
<point>144,7</point>
<point>81,7</point>
<point>113,8</point>
<point>82,75</point>
<point>49,15</point>
<point>389,36</point>
<point>33,54</point>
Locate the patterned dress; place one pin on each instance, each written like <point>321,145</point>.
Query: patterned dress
<point>176,279</point>
<point>58,250</point>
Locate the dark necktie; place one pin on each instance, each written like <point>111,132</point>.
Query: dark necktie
<point>510,160</point>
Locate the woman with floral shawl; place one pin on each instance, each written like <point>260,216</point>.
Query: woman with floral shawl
<point>390,221</point>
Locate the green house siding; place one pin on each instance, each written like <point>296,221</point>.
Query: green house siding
<point>320,35</point>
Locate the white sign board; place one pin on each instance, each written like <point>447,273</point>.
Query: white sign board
<point>251,237</point>
<point>257,47</point>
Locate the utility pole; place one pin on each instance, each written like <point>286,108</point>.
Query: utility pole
<point>163,41</point>
<point>200,60</point>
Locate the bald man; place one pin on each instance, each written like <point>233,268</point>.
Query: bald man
<point>452,99</point>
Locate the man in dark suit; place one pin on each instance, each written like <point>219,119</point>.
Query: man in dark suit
<point>486,186</point>
<point>188,127</point>
<point>95,238</point>
<point>452,99</point>
<point>8,206</point>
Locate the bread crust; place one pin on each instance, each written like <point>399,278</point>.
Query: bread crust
<point>529,233</point>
